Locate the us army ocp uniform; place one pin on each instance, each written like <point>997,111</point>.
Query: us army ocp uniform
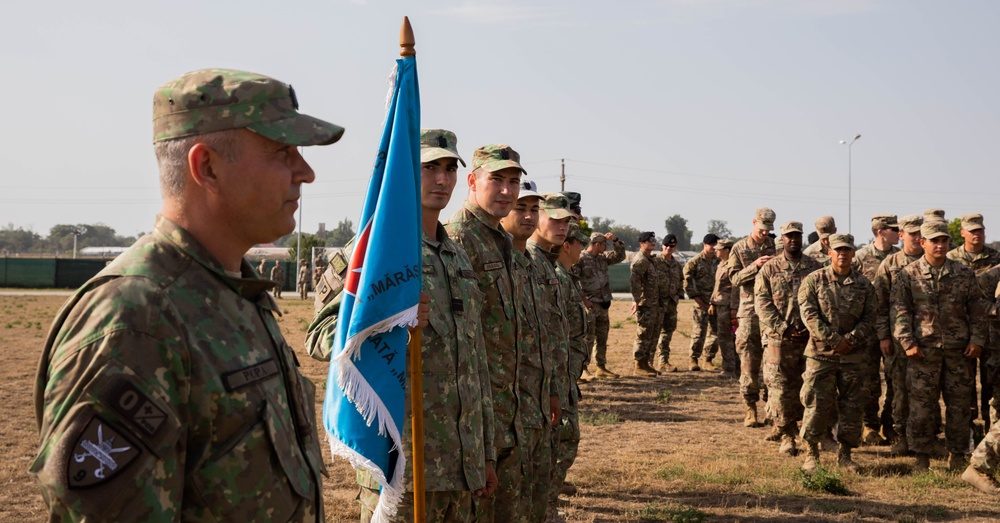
<point>593,270</point>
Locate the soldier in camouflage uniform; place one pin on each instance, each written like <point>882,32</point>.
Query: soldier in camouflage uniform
<point>724,301</point>
<point>986,458</point>
<point>278,276</point>
<point>160,364</point>
<point>593,271</point>
<point>989,282</point>
<point>535,376</point>
<point>699,281</point>
<point>494,184</point>
<point>303,280</point>
<point>262,268</point>
<point>895,358</point>
<point>938,318</point>
<point>566,437</point>
<point>671,274</point>
<point>979,257</point>
<point>837,305</point>
<point>644,283</point>
<point>776,291</point>
<point>825,226</point>
<point>745,260</point>
<point>867,261</point>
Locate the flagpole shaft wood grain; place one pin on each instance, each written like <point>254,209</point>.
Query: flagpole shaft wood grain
<point>416,379</point>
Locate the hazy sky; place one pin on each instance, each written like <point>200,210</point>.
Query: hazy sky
<point>703,108</point>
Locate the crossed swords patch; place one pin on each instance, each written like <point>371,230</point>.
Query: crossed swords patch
<point>100,452</point>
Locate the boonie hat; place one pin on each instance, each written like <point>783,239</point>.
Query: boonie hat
<point>884,221</point>
<point>838,241</point>
<point>528,189</point>
<point>495,157</point>
<point>765,219</point>
<point>911,223</point>
<point>972,222</point>
<point>211,100</point>
<point>438,143</point>
<point>790,227</point>
<point>825,226</point>
<point>556,205</point>
<point>934,229</point>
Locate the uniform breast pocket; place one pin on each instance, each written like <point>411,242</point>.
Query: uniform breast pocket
<point>498,284</point>
<point>472,304</point>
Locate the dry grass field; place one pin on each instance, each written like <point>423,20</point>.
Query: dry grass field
<point>671,448</point>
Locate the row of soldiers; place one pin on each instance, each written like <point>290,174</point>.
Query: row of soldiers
<point>813,327</point>
<point>505,342</point>
<point>277,275</point>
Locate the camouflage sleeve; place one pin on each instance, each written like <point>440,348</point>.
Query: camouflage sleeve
<point>486,390</point>
<point>738,274</point>
<point>635,278</point>
<point>865,328</point>
<point>617,255</point>
<point>901,311</point>
<point>560,359</point>
<point>988,282</point>
<point>812,315</point>
<point>881,285</point>
<point>771,320</point>
<point>976,306</point>
<point>691,279</point>
<point>856,263</point>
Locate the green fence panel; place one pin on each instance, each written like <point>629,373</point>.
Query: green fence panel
<point>71,274</point>
<point>29,272</point>
<point>618,274</point>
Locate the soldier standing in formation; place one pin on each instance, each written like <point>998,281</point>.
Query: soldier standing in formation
<point>724,301</point>
<point>303,280</point>
<point>593,270</point>
<point>278,276</point>
<point>838,308</point>
<point>699,282</point>
<point>745,260</point>
<point>867,261</point>
<point>671,275</point>
<point>776,291</point>
<point>494,184</point>
<point>644,283</point>
<point>262,268</point>
<point>825,226</point>
<point>939,320</point>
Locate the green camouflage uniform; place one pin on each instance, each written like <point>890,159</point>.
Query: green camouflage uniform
<point>979,262</point>
<point>644,283</point>
<point>941,310</point>
<point>776,291</point>
<point>556,314</point>
<point>457,397</point>
<point>699,281</point>
<point>489,248</point>
<point>742,273</point>
<point>725,297</point>
<point>535,385</point>
<point>593,271</point>
<point>833,308</point>
<point>671,277</point>
<point>897,361</point>
<point>566,436</point>
<point>867,261</point>
<point>166,392</point>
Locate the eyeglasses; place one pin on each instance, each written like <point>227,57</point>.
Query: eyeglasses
<point>893,229</point>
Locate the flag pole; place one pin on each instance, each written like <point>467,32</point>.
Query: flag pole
<point>406,43</point>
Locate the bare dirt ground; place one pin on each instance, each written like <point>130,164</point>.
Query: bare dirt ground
<point>671,448</point>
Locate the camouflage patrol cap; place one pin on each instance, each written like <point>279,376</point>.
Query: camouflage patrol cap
<point>825,226</point>
<point>210,100</point>
<point>933,229</point>
<point>791,227</point>
<point>911,223</point>
<point>838,241</point>
<point>528,190</point>
<point>495,157</point>
<point>556,205</point>
<point>574,232</point>
<point>972,222</point>
<point>574,199</point>
<point>933,214</point>
<point>438,143</point>
<point>765,219</point>
<point>596,237</point>
<point>724,243</point>
<point>884,221</point>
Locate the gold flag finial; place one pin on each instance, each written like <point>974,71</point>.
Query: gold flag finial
<point>406,40</point>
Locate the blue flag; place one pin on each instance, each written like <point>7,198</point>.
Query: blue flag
<point>364,407</point>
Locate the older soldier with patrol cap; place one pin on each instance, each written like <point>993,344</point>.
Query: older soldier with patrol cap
<point>494,184</point>
<point>535,374</point>
<point>745,260</point>
<point>671,274</point>
<point>699,281</point>
<point>725,299</point>
<point>837,305</point>
<point>867,260</point>
<point>776,299</point>
<point>593,271</point>
<point>172,353</point>
<point>825,226</point>
<point>979,257</point>
<point>644,283</point>
<point>939,320</point>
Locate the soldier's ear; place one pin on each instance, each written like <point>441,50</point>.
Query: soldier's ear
<point>202,161</point>
<point>471,180</point>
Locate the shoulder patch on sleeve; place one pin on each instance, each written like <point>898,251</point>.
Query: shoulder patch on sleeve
<point>137,408</point>
<point>100,452</point>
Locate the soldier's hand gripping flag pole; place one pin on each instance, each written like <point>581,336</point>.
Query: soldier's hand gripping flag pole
<point>367,378</point>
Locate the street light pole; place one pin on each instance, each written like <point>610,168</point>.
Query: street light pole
<point>849,145</point>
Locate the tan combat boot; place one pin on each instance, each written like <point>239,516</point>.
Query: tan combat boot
<point>641,368</point>
<point>707,364</point>
<point>899,446</point>
<point>651,366</point>
<point>788,445</point>
<point>585,375</point>
<point>923,463</point>
<point>694,365</point>
<point>812,457</point>
<point>750,420</point>
<point>603,372</point>
<point>957,462</point>
<point>666,367</point>
<point>774,435</point>
<point>871,437</point>
<point>983,482</point>
<point>844,459</point>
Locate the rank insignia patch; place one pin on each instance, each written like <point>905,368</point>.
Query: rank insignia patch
<point>99,453</point>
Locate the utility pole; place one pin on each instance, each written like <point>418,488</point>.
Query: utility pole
<point>562,177</point>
